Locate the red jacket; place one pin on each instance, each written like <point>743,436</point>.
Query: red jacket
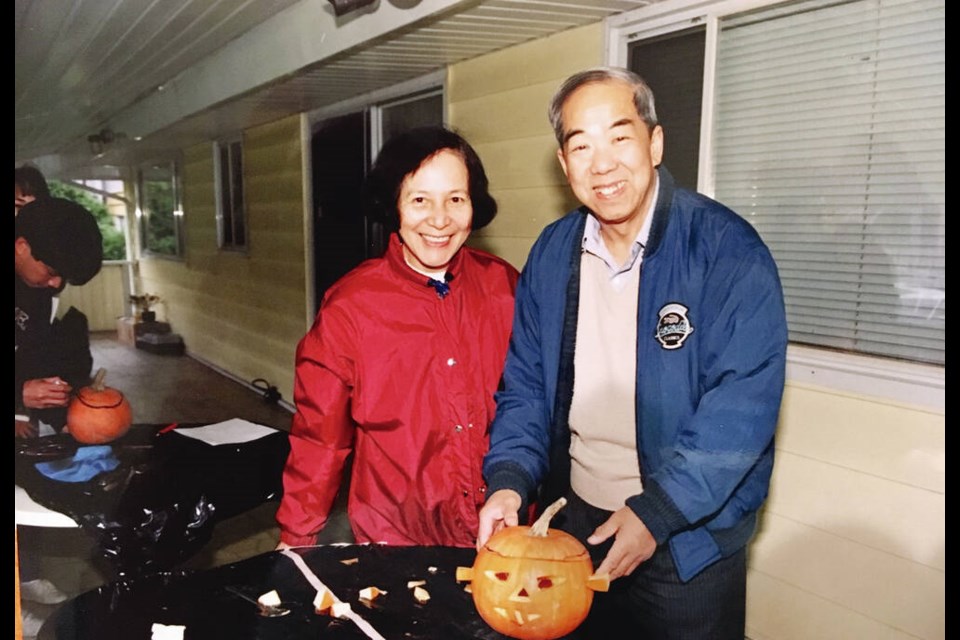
<point>404,380</point>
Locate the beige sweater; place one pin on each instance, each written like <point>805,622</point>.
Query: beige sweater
<point>603,445</point>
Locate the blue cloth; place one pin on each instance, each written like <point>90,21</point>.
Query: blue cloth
<point>86,463</point>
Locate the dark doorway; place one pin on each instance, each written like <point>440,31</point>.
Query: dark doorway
<point>339,152</point>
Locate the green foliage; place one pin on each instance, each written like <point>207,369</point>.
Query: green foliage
<point>160,236</point>
<point>114,244</point>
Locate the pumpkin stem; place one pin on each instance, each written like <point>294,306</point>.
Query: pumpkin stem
<point>540,527</point>
<point>98,379</point>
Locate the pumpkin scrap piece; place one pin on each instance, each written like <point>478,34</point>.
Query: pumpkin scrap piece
<point>416,583</point>
<point>340,609</point>
<point>370,593</point>
<point>269,599</point>
<point>323,601</point>
<point>350,561</point>
<point>421,594</point>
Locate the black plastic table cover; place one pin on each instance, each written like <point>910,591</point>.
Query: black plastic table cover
<point>202,601</point>
<point>160,505</point>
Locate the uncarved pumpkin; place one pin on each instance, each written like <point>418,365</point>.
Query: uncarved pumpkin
<point>98,414</point>
<point>533,583</point>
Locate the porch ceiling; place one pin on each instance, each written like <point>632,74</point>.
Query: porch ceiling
<point>177,72</point>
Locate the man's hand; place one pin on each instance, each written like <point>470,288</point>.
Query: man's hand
<point>632,545</point>
<point>43,393</point>
<point>23,429</point>
<point>501,510</point>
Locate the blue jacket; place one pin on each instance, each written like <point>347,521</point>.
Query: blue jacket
<point>711,352</point>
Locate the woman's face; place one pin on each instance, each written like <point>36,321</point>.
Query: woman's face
<point>435,212</point>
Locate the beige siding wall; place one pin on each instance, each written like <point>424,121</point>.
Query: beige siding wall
<point>241,311</point>
<point>103,299</point>
<point>851,544</point>
<point>853,538</point>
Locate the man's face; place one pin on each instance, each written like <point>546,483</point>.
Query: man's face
<point>608,155</point>
<point>435,211</point>
<point>33,272</point>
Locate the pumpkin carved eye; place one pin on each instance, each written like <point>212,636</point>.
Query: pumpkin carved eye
<point>544,582</point>
<point>502,576</point>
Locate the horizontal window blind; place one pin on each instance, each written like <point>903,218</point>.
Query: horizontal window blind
<point>830,125</point>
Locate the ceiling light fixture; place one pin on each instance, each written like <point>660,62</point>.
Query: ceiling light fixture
<point>98,141</point>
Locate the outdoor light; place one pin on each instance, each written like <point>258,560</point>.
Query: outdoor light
<point>99,141</point>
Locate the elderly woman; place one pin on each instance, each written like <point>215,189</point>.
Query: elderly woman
<point>403,359</point>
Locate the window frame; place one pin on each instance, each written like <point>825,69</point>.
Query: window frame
<point>886,378</point>
<point>143,213</point>
<point>228,216</point>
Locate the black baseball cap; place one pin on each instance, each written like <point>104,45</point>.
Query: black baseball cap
<point>63,235</point>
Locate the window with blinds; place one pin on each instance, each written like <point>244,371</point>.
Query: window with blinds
<point>829,139</point>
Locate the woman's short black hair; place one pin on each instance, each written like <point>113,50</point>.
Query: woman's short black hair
<point>403,154</point>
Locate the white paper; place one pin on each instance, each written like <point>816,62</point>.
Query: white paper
<point>233,431</point>
<point>167,631</point>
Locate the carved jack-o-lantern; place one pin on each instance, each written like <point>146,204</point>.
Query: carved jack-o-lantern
<point>533,583</point>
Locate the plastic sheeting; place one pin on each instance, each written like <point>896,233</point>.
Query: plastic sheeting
<point>203,602</point>
<point>159,506</point>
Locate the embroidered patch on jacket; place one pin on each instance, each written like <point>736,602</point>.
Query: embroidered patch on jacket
<point>674,326</point>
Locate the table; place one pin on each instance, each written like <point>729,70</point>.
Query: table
<point>160,505</point>
<point>202,602</point>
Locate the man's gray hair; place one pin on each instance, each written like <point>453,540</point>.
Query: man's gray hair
<point>642,95</point>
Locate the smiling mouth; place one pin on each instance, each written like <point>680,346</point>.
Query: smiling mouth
<point>610,190</point>
<point>437,240</point>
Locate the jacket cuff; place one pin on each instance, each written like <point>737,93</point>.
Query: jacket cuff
<point>297,541</point>
<point>658,512</point>
<point>508,475</point>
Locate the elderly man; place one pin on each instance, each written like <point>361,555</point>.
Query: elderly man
<point>644,376</point>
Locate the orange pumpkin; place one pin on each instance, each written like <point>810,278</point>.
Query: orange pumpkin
<point>533,583</point>
<point>98,414</point>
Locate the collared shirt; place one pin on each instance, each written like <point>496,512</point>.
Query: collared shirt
<point>593,244</point>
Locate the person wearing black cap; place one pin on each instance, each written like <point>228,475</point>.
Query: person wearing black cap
<point>57,242</point>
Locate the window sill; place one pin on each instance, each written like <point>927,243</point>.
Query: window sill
<point>892,380</point>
